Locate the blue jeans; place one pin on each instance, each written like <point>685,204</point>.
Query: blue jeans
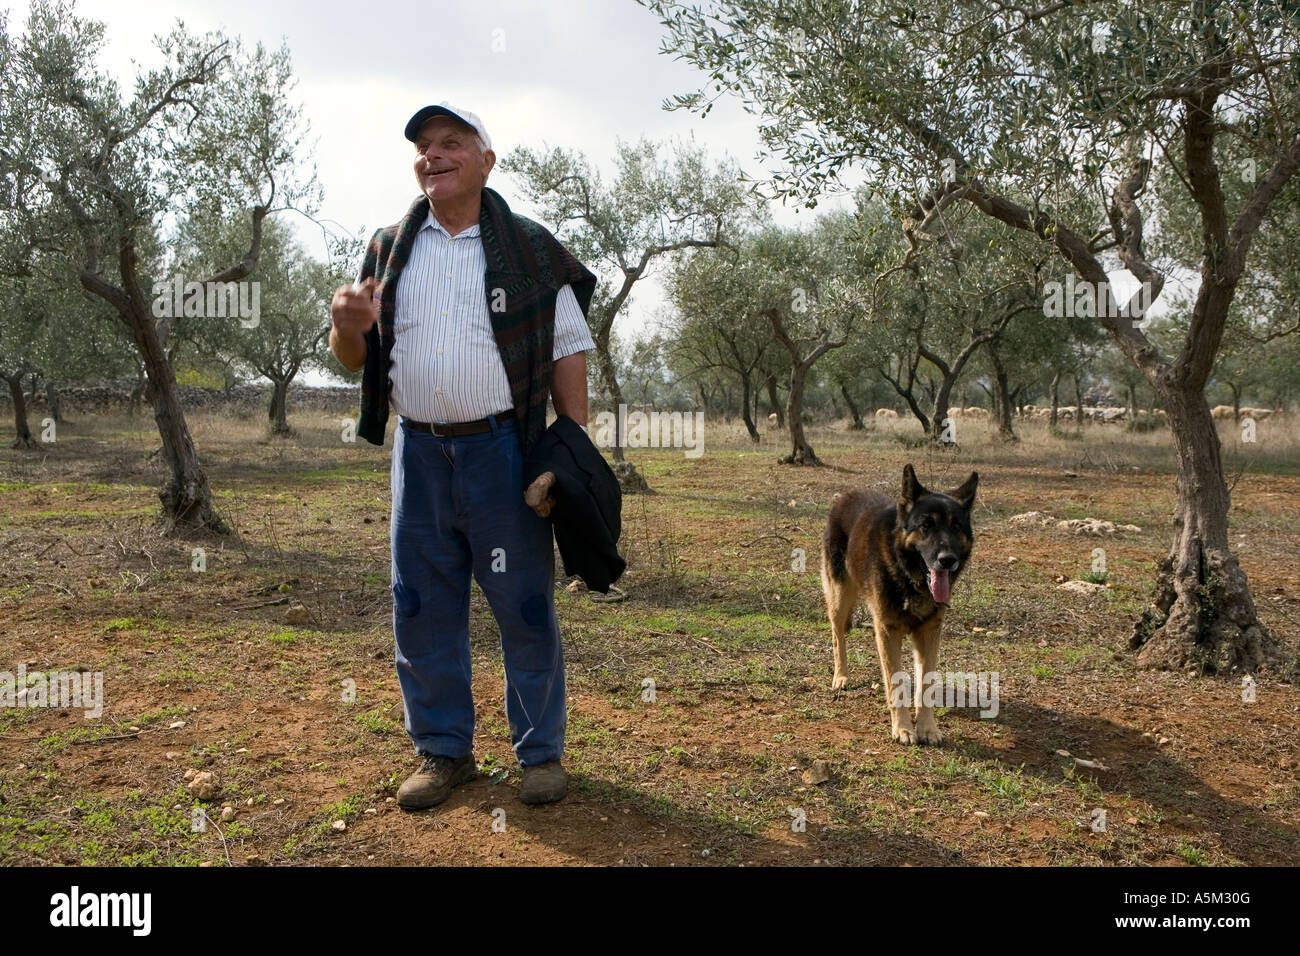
<point>458,508</point>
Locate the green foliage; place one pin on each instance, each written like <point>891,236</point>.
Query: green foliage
<point>86,168</point>
<point>291,329</point>
<point>1040,119</point>
<point>662,201</point>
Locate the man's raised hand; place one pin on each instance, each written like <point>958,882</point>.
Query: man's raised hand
<point>355,308</point>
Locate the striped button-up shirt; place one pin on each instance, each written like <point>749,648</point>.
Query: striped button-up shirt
<point>446,367</point>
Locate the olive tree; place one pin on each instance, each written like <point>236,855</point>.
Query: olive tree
<point>1055,120</point>
<point>661,201</point>
<point>100,172</point>
<point>715,327</point>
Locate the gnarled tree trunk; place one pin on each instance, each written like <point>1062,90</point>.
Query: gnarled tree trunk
<point>940,420</point>
<point>629,479</point>
<point>856,412</point>
<point>52,402</point>
<point>1236,401</point>
<point>1001,397</point>
<point>801,453</point>
<point>22,433</point>
<point>1203,614</point>
<point>774,402</point>
<point>746,400</point>
<point>186,497</point>
<point>278,410</point>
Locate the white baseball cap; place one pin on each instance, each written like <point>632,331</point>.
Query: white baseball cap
<point>455,112</point>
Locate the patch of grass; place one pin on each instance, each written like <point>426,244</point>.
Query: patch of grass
<point>1007,786</point>
<point>176,710</point>
<point>59,741</point>
<point>375,722</point>
<point>1145,423</point>
<point>1193,854</point>
<point>184,676</point>
<point>899,764</point>
<point>344,810</point>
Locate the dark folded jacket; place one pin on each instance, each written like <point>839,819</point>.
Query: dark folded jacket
<point>588,513</point>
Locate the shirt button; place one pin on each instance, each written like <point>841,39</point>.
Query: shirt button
<point>444,311</point>
<point>448,275</point>
<point>437,391</point>
<point>439,351</point>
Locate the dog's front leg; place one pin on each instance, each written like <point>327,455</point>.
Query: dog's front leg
<point>897,682</point>
<point>925,654</point>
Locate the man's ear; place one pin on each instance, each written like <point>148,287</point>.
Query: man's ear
<point>912,490</point>
<point>965,495</point>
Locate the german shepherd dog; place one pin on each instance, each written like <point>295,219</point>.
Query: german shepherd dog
<point>903,558</point>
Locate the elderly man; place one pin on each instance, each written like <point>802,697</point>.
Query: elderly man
<point>464,318</point>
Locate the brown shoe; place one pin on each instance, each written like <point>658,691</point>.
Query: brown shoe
<point>544,783</point>
<point>432,783</point>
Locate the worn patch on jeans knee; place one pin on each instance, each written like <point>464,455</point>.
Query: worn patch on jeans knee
<point>406,600</point>
<point>535,611</point>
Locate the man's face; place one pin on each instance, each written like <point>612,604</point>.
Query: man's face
<point>449,162</point>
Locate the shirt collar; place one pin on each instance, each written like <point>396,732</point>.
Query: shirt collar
<point>431,222</point>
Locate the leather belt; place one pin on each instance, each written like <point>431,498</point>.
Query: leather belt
<point>457,429</point>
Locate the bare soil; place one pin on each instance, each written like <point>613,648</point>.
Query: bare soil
<point>301,723</point>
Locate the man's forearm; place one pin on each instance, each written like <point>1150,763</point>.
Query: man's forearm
<point>569,387</point>
<point>350,350</point>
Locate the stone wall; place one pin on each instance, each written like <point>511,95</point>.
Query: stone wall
<point>116,396</point>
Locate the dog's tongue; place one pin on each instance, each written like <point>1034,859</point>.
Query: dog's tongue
<point>939,585</point>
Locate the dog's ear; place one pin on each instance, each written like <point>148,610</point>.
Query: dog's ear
<point>912,490</point>
<point>965,495</point>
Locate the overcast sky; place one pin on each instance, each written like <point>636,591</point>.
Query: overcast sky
<point>581,74</point>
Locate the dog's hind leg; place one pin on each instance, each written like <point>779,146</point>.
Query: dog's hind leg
<point>897,682</point>
<point>925,654</point>
<point>841,598</point>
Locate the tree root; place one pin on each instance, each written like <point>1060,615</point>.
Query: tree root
<point>1202,618</point>
<point>629,479</point>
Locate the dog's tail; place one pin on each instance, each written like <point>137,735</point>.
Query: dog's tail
<point>835,542</point>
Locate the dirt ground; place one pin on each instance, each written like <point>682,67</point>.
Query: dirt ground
<point>298,716</point>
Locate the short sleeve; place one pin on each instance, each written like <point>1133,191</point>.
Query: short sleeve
<point>571,331</point>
